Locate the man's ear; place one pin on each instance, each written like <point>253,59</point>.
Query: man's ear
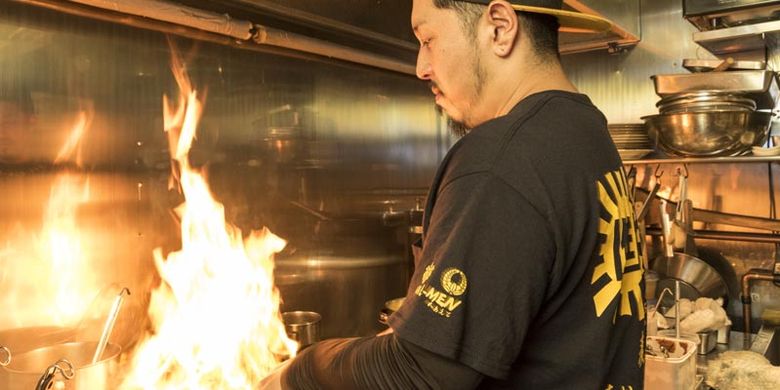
<point>504,29</point>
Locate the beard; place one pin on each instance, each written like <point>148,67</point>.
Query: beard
<point>456,128</point>
<point>460,128</point>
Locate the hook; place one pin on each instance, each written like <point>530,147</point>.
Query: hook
<point>683,172</point>
<point>658,172</point>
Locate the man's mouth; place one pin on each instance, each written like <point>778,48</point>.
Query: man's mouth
<point>435,89</point>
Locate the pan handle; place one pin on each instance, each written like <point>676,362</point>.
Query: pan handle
<point>717,217</point>
<point>646,205</point>
<point>47,379</point>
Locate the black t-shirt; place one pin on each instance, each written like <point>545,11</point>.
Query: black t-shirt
<point>529,271</point>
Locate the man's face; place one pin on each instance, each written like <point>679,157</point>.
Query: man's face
<point>449,59</point>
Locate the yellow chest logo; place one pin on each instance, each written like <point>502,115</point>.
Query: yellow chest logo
<point>619,274</point>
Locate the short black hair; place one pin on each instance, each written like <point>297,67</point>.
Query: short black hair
<point>543,29</point>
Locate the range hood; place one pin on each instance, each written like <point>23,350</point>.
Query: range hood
<point>365,32</point>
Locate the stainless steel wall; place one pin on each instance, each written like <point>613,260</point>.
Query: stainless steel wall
<point>312,149</point>
<point>621,87</point>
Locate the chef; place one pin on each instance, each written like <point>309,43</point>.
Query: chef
<point>529,273</point>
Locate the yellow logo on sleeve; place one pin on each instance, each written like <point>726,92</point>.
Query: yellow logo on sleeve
<point>453,282</point>
<point>620,272</point>
<point>428,271</point>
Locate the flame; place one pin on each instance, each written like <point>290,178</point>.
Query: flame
<point>61,235</point>
<point>48,275</point>
<point>215,318</point>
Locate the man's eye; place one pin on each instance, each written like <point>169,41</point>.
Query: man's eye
<point>425,42</point>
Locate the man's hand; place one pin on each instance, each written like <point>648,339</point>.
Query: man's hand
<point>274,380</point>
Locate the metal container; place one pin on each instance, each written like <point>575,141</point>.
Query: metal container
<point>727,133</point>
<point>20,340</point>
<point>704,102</point>
<point>28,369</point>
<point>707,341</point>
<point>759,85</point>
<point>302,326</point>
<point>698,279</point>
<point>664,373</point>
<point>345,290</point>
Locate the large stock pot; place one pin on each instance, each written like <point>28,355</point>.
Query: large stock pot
<point>345,290</point>
<point>62,366</point>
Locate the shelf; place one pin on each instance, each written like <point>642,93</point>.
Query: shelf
<point>703,160</point>
<point>753,37</point>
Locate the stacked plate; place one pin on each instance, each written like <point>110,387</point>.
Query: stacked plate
<point>631,140</point>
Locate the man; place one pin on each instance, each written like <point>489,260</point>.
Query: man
<point>529,275</point>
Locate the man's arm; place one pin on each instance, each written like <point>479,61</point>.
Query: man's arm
<point>381,362</point>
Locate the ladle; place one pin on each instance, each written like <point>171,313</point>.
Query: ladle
<point>109,325</point>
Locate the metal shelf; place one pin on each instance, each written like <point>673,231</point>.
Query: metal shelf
<point>739,39</point>
<point>704,160</point>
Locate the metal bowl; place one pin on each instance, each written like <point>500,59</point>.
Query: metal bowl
<point>726,133</point>
<point>697,278</point>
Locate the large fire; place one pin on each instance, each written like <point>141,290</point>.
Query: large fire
<point>46,276</point>
<point>215,316</point>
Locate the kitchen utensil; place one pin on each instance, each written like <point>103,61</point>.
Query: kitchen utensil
<point>46,366</point>
<point>702,65</point>
<point>697,278</point>
<point>646,205</point>
<point>708,340</point>
<point>20,340</point>
<point>109,325</point>
<point>759,85</point>
<point>718,217</point>
<point>727,133</point>
<point>725,64</point>
<point>302,326</point>
<point>704,101</point>
<point>665,372</point>
<point>363,278</point>
<point>677,318</point>
<point>666,226</point>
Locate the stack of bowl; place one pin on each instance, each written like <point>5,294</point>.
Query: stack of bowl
<point>631,140</point>
<point>708,123</point>
<point>705,101</point>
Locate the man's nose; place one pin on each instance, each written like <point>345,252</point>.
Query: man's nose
<point>423,66</point>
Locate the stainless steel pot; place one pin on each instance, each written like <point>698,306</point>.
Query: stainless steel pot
<point>20,340</point>
<point>302,326</point>
<point>727,133</point>
<point>52,365</point>
<point>345,290</point>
